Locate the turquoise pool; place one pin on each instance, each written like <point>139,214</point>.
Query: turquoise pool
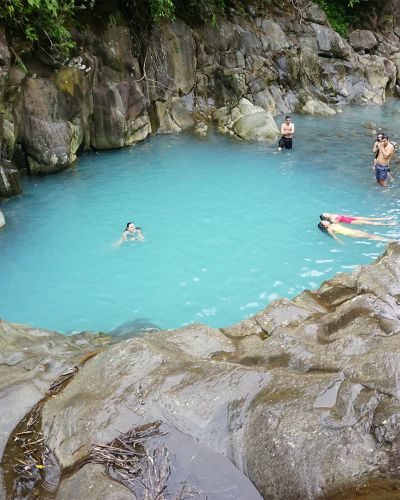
<point>228,227</point>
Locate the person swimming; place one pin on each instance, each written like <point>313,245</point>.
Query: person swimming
<point>355,219</point>
<point>131,233</point>
<point>334,228</point>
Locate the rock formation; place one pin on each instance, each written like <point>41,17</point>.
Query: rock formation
<point>114,93</point>
<point>303,398</point>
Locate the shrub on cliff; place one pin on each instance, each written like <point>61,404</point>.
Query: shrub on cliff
<point>43,22</point>
<point>344,13</point>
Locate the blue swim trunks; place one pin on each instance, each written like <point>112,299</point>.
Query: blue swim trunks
<point>381,172</point>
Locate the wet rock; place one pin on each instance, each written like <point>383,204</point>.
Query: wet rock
<point>9,181</point>
<point>301,385</point>
<point>30,361</point>
<point>2,220</point>
<point>91,482</point>
<point>201,129</point>
<point>369,125</point>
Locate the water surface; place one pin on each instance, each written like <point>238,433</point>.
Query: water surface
<point>229,226</point>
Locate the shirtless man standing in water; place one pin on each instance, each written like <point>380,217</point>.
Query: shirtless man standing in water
<point>287,131</point>
<point>385,154</point>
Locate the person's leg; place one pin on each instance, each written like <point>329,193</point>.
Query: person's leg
<point>377,174</point>
<point>377,237</point>
<point>381,175</point>
<point>288,143</point>
<point>390,217</point>
<point>370,222</point>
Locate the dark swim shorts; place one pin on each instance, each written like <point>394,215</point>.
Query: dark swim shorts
<point>381,172</point>
<point>285,142</point>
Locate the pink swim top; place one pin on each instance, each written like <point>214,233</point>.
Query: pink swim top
<point>344,219</point>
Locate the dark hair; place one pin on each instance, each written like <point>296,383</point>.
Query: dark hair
<point>385,137</point>
<point>322,227</point>
<point>287,116</point>
<point>322,217</point>
<point>136,227</point>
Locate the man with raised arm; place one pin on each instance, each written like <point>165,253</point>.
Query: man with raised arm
<point>385,154</point>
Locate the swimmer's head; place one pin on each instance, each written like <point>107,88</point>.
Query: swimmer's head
<point>288,119</point>
<point>323,225</point>
<point>325,216</point>
<point>379,136</point>
<point>130,226</point>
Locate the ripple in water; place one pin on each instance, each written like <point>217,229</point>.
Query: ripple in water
<point>228,227</point>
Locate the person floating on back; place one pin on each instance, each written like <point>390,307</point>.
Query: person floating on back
<point>385,152</point>
<point>287,131</point>
<point>355,219</point>
<point>335,228</point>
<point>131,233</point>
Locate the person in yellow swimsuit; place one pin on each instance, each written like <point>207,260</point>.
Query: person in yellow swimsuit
<point>334,228</point>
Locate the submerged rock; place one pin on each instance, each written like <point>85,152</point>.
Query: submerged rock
<point>201,129</point>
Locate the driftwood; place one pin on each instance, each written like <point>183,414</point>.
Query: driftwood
<point>129,460</point>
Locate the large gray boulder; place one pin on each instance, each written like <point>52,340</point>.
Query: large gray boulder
<point>247,122</point>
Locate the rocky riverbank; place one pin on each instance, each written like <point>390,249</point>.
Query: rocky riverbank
<point>248,67</point>
<point>303,399</point>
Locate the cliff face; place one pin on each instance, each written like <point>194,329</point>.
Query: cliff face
<point>114,94</point>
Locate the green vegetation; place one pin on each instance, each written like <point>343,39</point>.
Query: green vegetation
<point>46,23</point>
<point>340,13</point>
<point>43,22</point>
<point>161,10</point>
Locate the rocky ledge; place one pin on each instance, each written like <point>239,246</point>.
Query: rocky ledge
<point>302,401</point>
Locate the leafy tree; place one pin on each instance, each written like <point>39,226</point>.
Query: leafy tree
<point>42,22</point>
<point>341,13</point>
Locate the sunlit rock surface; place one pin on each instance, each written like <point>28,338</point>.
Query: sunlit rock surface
<point>303,398</point>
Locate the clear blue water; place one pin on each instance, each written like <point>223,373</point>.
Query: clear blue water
<point>228,227</point>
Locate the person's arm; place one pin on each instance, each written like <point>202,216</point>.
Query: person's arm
<point>283,129</point>
<point>120,241</point>
<point>375,147</point>
<point>386,151</point>
<point>139,234</point>
<point>292,132</point>
<point>332,233</point>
